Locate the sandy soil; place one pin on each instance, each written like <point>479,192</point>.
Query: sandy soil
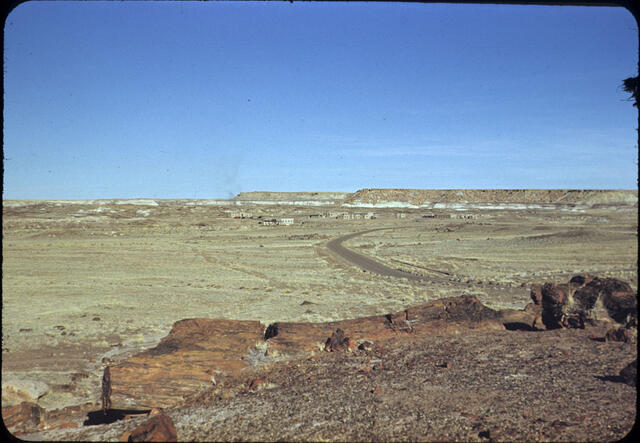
<point>85,281</point>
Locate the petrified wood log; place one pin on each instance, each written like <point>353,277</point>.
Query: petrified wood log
<point>183,363</point>
<point>195,350</point>
<point>158,428</point>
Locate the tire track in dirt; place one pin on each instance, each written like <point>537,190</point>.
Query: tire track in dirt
<point>242,269</point>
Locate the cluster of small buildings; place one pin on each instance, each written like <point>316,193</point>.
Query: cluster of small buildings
<point>342,215</point>
<point>239,214</point>
<point>359,215</point>
<point>436,216</point>
<point>276,221</point>
<point>346,215</point>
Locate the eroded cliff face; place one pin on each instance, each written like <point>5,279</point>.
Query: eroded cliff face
<point>421,197</point>
<point>430,197</point>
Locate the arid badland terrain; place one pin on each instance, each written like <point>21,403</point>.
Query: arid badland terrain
<point>433,293</point>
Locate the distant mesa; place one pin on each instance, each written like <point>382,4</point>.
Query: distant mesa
<point>448,198</point>
<point>455,199</point>
<point>290,196</point>
<point>434,197</point>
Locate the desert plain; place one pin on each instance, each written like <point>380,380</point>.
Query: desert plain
<point>89,282</point>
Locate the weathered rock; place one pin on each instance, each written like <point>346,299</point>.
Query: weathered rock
<point>16,390</point>
<point>606,297</point>
<point>586,299</point>
<point>617,334</point>
<point>535,310</point>
<point>579,280</point>
<point>554,297</point>
<point>255,383</point>
<point>183,363</point>
<point>536,294</point>
<point>519,319</point>
<point>23,417</point>
<point>338,342</point>
<point>157,428</point>
<point>449,313</point>
<point>629,374</point>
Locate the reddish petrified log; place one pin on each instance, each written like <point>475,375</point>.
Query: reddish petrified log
<point>444,314</point>
<point>183,363</point>
<point>157,428</point>
<point>22,418</point>
<point>196,351</point>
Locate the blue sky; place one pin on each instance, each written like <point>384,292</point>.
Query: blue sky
<point>205,100</point>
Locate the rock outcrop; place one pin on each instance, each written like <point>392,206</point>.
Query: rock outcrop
<point>427,197</point>
<point>422,197</point>
<point>16,390</point>
<point>586,299</point>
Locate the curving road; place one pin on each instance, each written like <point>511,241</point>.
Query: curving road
<point>366,263</point>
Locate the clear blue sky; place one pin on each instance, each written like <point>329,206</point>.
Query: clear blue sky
<point>205,100</point>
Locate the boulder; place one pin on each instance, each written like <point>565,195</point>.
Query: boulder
<point>554,298</point>
<point>607,298</point>
<point>157,428</point>
<point>16,390</point>
<point>618,334</point>
<point>536,294</point>
<point>338,342</point>
<point>629,374</point>
<point>587,299</point>
<point>579,280</point>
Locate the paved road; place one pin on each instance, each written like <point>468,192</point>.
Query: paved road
<point>366,263</point>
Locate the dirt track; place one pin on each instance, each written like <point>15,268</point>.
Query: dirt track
<point>368,264</point>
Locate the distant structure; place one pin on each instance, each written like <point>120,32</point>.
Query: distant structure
<point>239,214</point>
<point>359,215</point>
<point>275,221</point>
<point>436,216</point>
